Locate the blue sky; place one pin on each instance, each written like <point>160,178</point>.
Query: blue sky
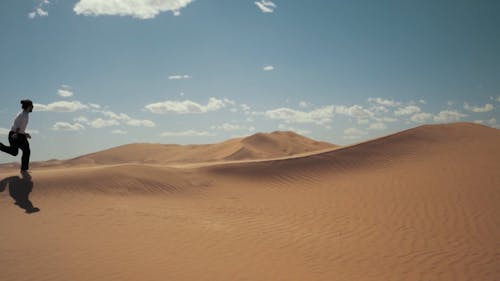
<point>103,74</point>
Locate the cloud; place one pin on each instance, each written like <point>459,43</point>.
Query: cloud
<point>114,119</point>
<point>65,126</point>
<point>447,116</point>
<point>268,68</point>
<point>303,104</point>
<point>178,77</point>
<point>94,105</point>
<point>137,123</point>
<point>265,6</point>
<point>289,128</point>
<point>491,121</point>
<point>81,119</point>
<point>228,127</point>
<point>353,133</point>
<point>384,102</point>
<point>65,93</point>
<point>141,9</point>
<point>4,131</point>
<point>187,106</point>
<point>487,107</point>
<point>378,109</point>
<point>60,106</point>
<point>420,117</point>
<point>377,126</point>
<point>422,101</point>
<point>385,119</point>
<point>188,133</point>
<point>407,110</point>
<point>356,111</point>
<point>318,116</point>
<point>39,10</point>
<point>119,132</point>
<point>101,123</point>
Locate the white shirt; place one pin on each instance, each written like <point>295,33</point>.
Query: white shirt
<point>21,122</point>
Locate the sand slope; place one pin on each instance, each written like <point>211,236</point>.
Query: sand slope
<point>422,204</point>
<point>257,146</point>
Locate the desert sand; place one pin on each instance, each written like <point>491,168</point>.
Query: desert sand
<point>421,204</point>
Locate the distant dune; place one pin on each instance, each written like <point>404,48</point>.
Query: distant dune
<point>257,146</point>
<point>421,204</point>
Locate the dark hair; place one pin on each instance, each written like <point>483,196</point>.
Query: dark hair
<point>26,103</point>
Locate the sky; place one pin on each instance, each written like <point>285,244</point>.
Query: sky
<point>108,73</point>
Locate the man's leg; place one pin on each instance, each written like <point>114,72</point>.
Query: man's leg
<point>13,148</point>
<point>25,147</point>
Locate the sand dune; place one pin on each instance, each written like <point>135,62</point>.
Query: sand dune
<point>257,146</point>
<point>421,204</point>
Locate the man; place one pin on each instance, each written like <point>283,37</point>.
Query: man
<point>18,138</point>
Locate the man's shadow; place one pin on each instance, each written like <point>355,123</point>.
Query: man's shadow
<point>19,190</point>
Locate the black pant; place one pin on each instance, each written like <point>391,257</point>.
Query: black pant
<point>21,142</point>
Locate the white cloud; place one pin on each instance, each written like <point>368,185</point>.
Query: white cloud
<point>94,105</point>
<point>141,9</point>
<point>266,6</point>
<point>487,107</point>
<point>384,102</point>
<point>446,116</point>
<point>186,106</point>
<point>122,117</point>
<point>318,116</point>
<point>491,121</point>
<point>65,93</point>
<point>378,109</point>
<point>228,101</point>
<point>356,111</point>
<point>303,104</point>
<point>353,133</point>
<point>137,123</point>
<point>228,127</point>
<point>114,119</point>
<point>407,110</point>
<point>39,10</point>
<point>4,131</point>
<point>32,131</point>
<point>188,133</point>
<point>385,119</point>
<point>81,119</point>
<point>289,128</point>
<point>245,107</point>
<point>119,116</point>
<point>60,106</point>
<point>420,117</point>
<point>101,123</point>
<point>422,101</point>
<point>268,68</point>
<point>377,126</point>
<point>178,77</point>
<point>65,126</point>
<point>119,132</point>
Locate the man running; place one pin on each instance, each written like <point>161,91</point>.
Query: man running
<point>18,138</point>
